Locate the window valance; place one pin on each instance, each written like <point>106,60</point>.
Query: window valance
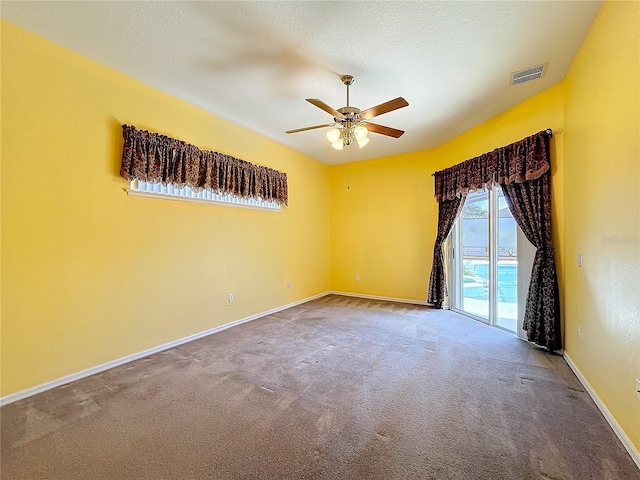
<point>157,158</point>
<point>524,160</point>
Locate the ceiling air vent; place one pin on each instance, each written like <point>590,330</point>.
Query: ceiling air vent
<point>532,73</point>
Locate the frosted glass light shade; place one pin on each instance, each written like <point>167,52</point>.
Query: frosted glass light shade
<point>338,145</point>
<point>333,135</point>
<point>362,142</point>
<point>360,132</point>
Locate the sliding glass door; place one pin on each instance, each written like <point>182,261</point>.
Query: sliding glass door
<point>489,280</point>
<point>473,226</point>
<point>506,262</point>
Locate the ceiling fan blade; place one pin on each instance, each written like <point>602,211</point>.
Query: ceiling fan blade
<point>386,107</point>
<point>320,104</point>
<point>391,132</point>
<point>309,128</point>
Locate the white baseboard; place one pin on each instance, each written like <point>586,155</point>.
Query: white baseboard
<point>633,451</point>
<point>14,397</point>
<point>376,297</point>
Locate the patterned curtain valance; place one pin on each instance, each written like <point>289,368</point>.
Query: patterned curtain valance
<point>524,160</point>
<point>156,158</point>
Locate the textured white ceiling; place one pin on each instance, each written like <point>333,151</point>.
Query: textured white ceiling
<point>254,63</point>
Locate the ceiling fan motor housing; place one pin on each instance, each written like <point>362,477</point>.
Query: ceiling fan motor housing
<point>350,114</point>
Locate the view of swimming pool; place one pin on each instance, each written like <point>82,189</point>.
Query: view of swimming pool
<point>476,279</point>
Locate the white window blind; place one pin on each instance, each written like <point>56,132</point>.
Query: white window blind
<point>141,188</point>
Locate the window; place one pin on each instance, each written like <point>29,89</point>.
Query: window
<point>156,190</point>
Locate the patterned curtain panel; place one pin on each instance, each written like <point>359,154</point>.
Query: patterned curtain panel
<point>159,159</point>
<point>522,169</point>
<point>530,205</point>
<point>448,211</point>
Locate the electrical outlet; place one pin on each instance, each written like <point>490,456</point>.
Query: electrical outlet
<point>288,284</point>
<point>580,332</point>
<point>231,298</point>
<point>638,388</point>
<point>357,276</point>
<point>580,264</point>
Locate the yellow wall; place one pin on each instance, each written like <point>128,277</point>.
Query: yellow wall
<point>381,226</point>
<point>384,226</point>
<point>602,210</point>
<point>90,274</point>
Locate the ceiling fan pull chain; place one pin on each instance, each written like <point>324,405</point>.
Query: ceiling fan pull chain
<point>348,164</point>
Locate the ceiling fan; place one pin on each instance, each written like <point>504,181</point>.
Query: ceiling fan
<point>351,124</point>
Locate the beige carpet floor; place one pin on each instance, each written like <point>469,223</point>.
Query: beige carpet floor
<point>337,388</point>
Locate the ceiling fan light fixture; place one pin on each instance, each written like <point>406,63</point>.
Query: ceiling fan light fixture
<point>360,133</point>
<point>339,145</point>
<point>362,141</point>
<point>334,135</point>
